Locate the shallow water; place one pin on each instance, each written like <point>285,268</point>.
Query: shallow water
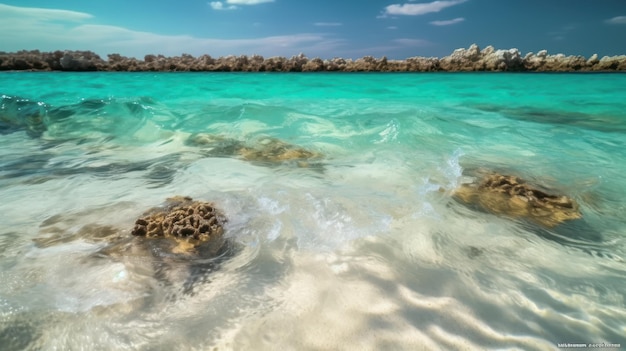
<point>363,247</point>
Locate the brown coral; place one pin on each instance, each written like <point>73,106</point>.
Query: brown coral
<point>269,150</point>
<point>512,196</point>
<point>190,223</point>
<point>275,150</point>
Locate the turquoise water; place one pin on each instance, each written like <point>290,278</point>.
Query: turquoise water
<point>363,247</point>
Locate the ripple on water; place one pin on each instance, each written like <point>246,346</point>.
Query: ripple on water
<point>367,249</point>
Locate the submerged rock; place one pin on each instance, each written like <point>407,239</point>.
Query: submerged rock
<point>514,197</point>
<point>181,220</point>
<point>266,150</point>
<point>189,223</point>
<point>216,145</point>
<point>182,233</point>
<point>607,123</point>
<point>275,150</point>
<point>178,244</point>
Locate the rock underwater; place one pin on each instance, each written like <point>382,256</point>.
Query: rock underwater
<point>511,196</point>
<point>552,216</point>
<point>178,243</point>
<point>266,150</point>
<point>189,223</point>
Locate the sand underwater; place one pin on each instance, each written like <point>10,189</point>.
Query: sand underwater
<point>343,228</point>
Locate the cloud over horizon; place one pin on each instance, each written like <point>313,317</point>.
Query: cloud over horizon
<point>617,20</point>
<point>218,5</point>
<point>324,28</point>
<point>50,29</point>
<point>448,22</point>
<point>230,4</point>
<point>42,13</point>
<point>420,9</point>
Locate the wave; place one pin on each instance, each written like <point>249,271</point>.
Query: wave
<point>18,113</point>
<point>606,123</point>
<point>111,117</point>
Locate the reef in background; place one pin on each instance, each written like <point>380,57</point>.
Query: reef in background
<point>461,60</point>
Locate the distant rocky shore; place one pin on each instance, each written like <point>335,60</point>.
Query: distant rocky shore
<point>461,60</point>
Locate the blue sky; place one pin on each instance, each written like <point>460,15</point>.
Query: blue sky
<point>321,28</point>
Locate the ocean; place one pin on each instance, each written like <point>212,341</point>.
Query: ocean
<point>344,229</point>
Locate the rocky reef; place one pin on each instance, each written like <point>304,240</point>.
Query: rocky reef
<point>461,60</point>
<point>184,223</point>
<point>189,223</point>
<point>264,150</point>
<point>274,150</point>
<point>513,197</point>
<point>178,243</point>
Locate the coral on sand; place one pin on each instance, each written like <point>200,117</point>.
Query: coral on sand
<point>514,197</point>
<point>270,150</point>
<point>189,223</point>
<point>275,150</point>
<point>216,145</point>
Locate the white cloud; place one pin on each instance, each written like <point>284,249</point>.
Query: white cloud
<point>448,22</point>
<point>42,14</point>
<point>617,20</point>
<point>328,24</point>
<point>47,30</point>
<point>420,9</point>
<point>392,27</point>
<point>218,5</point>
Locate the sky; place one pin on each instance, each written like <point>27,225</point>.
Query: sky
<point>396,29</point>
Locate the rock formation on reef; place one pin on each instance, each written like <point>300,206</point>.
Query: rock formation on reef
<point>215,145</point>
<point>192,229</point>
<point>266,149</point>
<point>275,150</point>
<point>189,223</point>
<point>512,196</point>
<point>470,59</point>
<point>179,243</point>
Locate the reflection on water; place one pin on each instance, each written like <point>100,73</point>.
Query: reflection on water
<point>342,228</point>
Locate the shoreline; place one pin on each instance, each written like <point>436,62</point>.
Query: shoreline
<point>471,59</point>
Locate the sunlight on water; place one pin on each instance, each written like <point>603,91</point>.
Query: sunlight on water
<point>345,229</point>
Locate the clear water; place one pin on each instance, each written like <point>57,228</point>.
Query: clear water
<point>364,250</point>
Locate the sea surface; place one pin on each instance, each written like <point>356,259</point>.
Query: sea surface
<point>362,247</point>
